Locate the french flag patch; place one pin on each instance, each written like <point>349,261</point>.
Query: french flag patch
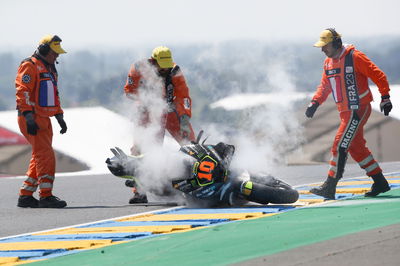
<point>47,93</point>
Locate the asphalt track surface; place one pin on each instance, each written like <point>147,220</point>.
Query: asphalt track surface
<point>92,198</point>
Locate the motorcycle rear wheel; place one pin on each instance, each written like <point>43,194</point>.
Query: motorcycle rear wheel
<point>281,193</point>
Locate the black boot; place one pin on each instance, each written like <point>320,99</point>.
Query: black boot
<point>51,202</point>
<point>130,183</point>
<point>380,185</point>
<point>138,198</point>
<point>327,189</point>
<point>27,202</point>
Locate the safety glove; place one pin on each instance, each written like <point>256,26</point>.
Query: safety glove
<point>61,122</point>
<point>184,126</point>
<point>30,123</point>
<point>386,105</point>
<point>312,107</point>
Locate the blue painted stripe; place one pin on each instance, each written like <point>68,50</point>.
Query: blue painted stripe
<point>344,195</point>
<point>356,179</point>
<point>338,196</point>
<point>54,255</point>
<point>308,196</point>
<point>21,254</point>
<point>304,188</point>
<point>250,209</point>
<point>30,253</point>
<point>113,236</point>
<point>148,223</point>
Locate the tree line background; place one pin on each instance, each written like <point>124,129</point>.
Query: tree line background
<point>212,71</point>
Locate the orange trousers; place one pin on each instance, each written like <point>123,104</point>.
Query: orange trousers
<point>43,162</point>
<point>350,139</point>
<point>172,124</point>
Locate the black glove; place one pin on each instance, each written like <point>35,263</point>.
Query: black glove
<point>386,105</point>
<point>312,107</point>
<point>30,123</point>
<point>61,122</point>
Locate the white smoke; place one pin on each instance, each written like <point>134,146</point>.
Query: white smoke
<point>159,164</point>
<point>262,134</point>
<point>148,102</point>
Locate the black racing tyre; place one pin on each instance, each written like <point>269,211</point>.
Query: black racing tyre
<point>278,194</point>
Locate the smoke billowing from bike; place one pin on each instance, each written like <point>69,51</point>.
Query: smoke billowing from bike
<point>146,112</point>
<point>261,133</point>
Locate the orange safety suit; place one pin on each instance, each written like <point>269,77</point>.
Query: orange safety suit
<point>36,91</point>
<point>175,93</point>
<point>347,79</point>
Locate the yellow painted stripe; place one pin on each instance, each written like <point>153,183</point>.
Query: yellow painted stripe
<point>390,176</point>
<point>202,216</point>
<point>353,183</point>
<point>353,190</point>
<point>19,262</point>
<point>264,215</point>
<point>304,192</point>
<point>78,244</point>
<point>310,201</point>
<point>367,180</point>
<point>4,260</point>
<point>156,229</point>
<point>343,190</point>
<point>347,183</point>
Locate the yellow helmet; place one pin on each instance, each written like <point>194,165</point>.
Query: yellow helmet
<point>163,56</point>
<point>51,42</point>
<point>327,36</point>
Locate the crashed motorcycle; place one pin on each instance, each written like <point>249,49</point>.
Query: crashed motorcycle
<point>207,179</point>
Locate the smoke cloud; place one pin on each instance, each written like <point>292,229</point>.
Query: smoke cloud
<point>161,161</point>
<point>262,134</point>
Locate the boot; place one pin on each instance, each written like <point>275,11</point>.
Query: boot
<point>27,202</point>
<point>327,189</point>
<point>130,183</point>
<point>138,198</point>
<point>380,185</point>
<point>51,202</point>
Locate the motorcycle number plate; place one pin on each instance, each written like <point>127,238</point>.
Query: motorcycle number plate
<point>203,171</point>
